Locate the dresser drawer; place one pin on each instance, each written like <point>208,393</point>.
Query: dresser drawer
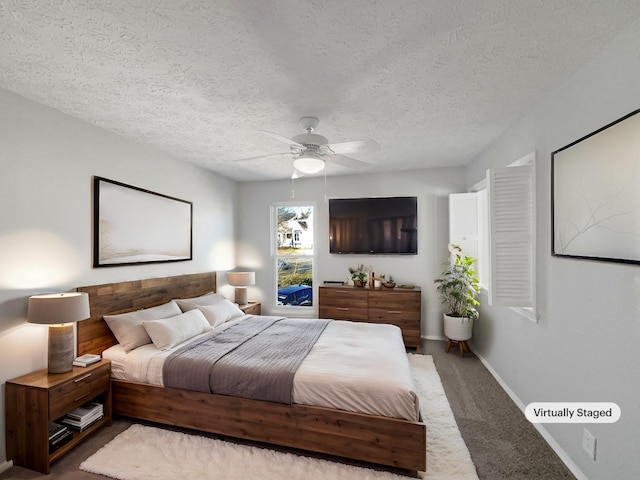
<point>395,300</point>
<point>338,297</point>
<point>408,322</point>
<point>78,391</point>
<point>344,304</point>
<point>400,308</point>
<point>344,313</point>
<point>395,317</point>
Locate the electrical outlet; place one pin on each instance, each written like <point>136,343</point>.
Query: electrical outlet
<point>589,444</point>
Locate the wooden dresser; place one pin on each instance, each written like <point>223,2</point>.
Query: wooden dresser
<point>397,306</point>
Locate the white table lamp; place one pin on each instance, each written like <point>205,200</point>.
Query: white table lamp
<point>240,280</point>
<point>60,311</point>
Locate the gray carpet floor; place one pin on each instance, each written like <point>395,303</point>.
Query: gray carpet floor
<point>502,443</point>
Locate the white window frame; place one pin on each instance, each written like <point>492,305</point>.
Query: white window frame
<point>298,310</point>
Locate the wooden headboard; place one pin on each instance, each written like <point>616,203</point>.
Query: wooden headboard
<point>94,335</point>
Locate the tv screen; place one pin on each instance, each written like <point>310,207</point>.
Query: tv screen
<point>383,225</point>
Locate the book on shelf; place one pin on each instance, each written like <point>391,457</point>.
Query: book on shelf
<point>84,416</point>
<point>81,426</point>
<point>86,360</point>
<point>56,430</point>
<point>60,441</point>
<point>85,410</point>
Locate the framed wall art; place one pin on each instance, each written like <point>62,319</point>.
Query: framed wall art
<point>132,225</point>
<point>595,184</point>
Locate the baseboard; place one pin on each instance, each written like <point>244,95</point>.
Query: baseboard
<point>6,465</point>
<point>433,337</point>
<point>538,426</point>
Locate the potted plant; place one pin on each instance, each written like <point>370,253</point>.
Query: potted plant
<point>358,275</point>
<point>457,287</point>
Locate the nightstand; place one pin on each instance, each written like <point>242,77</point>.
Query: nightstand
<point>251,308</point>
<point>34,400</point>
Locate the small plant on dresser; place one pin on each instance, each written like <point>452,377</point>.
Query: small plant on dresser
<point>358,275</point>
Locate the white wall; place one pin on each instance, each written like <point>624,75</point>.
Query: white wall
<point>585,346</point>
<point>48,160</point>
<point>431,187</point>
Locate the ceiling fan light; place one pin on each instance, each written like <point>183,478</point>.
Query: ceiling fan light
<point>308,164</point>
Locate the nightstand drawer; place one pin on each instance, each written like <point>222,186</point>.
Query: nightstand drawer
<point>76,392</point>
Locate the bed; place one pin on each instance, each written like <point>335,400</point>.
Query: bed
<point>332,429</point>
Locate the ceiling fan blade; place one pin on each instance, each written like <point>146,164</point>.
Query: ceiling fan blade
<point>348,162</point>
<point>354,146</point>
<point>277,136</point>
<point>260,157</point>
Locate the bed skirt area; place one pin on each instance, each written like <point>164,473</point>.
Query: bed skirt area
<point>381,440</point>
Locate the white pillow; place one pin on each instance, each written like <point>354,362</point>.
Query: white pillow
<point>169,332</point>
<point>128,329</point>
<point>187,304</point>
<point>220,312</point>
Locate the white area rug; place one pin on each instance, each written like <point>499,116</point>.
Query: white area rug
<point>141,452</point>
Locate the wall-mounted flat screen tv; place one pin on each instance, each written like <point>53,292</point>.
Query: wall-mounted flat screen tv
<point>381,225</point>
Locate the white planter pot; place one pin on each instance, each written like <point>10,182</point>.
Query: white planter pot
<point>458,328</point>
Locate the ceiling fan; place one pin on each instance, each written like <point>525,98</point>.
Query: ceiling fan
<point>311,151</point>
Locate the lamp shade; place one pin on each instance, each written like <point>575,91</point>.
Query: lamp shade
<point>58,308</point>
<point>308,164</point>
<point>241,279</point>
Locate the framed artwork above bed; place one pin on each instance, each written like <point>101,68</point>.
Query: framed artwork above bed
<point>132,226</point>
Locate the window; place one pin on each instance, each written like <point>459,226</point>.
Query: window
<point>294,254</point>
<point>496,224</point>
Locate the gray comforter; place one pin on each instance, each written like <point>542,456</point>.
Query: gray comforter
<point>256,358</point>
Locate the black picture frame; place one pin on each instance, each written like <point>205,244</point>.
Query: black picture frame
<point>133,226</point>
<point>595,188</point>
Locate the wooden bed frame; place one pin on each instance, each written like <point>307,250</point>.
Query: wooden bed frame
<point>380,440</point>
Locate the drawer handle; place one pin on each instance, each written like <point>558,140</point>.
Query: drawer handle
<point>80,398</point>
<point>84,377</point>
<point>345,309</point>
<point>397,312</point>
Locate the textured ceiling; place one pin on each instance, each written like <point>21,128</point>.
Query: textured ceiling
<point>433,82</point>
